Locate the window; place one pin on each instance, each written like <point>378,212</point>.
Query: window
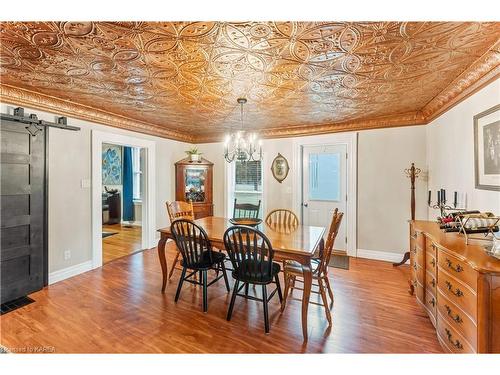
<point>137,172</point>
<point>324,178</point>
<point>247,183</point>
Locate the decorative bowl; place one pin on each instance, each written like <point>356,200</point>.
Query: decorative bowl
<point>245,221</point>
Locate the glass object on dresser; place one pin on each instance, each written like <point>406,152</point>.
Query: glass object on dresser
<point>194,182</point>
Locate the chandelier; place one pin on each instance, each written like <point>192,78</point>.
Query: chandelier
<point>240,145</point>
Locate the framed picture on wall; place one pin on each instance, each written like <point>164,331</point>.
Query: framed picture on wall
<point>487,149</point>
<point>111,165</point>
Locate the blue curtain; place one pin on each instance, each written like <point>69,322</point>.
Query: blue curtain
<point>128,187</point>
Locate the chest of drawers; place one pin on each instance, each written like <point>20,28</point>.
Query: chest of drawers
<point>458,285</point>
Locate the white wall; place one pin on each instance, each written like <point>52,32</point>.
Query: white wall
<point>450,151</point>
<point>70,204</point>
<point>383,189</point>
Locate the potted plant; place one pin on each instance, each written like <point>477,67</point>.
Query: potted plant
<point>194,155</point>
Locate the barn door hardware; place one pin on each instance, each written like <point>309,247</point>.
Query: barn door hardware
<point>34,124</point>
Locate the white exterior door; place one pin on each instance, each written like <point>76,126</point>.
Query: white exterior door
<point>324,180</point>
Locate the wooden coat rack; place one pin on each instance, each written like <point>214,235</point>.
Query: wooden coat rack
<point>412,173</point>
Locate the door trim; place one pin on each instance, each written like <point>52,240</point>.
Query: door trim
<point>351,141</point>
<point>149,199</point>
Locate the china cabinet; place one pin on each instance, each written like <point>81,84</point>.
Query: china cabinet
<point>193,182</point>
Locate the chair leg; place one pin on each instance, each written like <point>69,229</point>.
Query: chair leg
<point>293,284</point>
<point>325,300</point>
<point>246,289</point>
<point>278,287</point>
<point>287,290</point>
<point>330,293</point>
<point>233,298</point>
<point>179,287</point>
<point>174,263</point>
<point>205,291</point>
<point>224,273</point>
<point>266,313</point>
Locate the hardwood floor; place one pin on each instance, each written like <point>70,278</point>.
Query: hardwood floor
<point>119,308</point>
<point>127,241</point>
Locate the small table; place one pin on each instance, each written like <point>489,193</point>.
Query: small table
<point>298,244</point>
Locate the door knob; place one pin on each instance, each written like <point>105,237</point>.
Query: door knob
<point>305,204</point>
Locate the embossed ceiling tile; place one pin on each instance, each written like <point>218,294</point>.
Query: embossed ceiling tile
<point>183,74</point>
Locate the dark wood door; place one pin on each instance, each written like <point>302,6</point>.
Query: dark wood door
<point>23,257</point>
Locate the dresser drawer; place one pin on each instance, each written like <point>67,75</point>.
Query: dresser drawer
<point>457,319</point>
<point>420,240</point>
<point>429,246</point>
<point>451,338</point>
<point>430,304</point>
<point>420,257</point>
<point>413,252</point>
<point>419,291</point>
<point>458,269</point>
<point>458,293</point>
<point>420,274</point>
<point>430,263</point>
<point>430,282</point>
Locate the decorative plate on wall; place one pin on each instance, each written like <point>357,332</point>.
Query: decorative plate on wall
<point>280,168</point>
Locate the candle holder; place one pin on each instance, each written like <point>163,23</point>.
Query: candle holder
<point>441,203</point>
<point>443,207</point>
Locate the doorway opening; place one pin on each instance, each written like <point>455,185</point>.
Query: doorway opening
<point>122,194</point>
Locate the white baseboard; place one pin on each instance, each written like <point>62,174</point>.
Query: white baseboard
<point>66,273</point>
<point>131,223</point>
<point>380,255</point>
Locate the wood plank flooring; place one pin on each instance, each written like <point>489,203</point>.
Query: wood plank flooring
<point>127,241</point>
<point>119,308</point>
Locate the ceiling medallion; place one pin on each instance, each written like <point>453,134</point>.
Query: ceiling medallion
<point>240,145</point>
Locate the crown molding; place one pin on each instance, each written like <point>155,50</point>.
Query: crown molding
<point>22,97</point>
<point>397,120</point>
<point>483,71</point>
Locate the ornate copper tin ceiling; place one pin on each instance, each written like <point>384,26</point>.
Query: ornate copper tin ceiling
<point>181,80</point>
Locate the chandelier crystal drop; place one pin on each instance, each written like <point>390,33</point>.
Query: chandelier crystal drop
<point>240,145</point>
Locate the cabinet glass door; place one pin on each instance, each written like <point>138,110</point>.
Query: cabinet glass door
<point>194,182</point>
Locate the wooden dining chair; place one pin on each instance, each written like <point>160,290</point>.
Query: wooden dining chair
<point>197,256</point>
<point>251,255</point>
<point>293,270</point>
<point>179,210</point>
<point>245,210</point>
<point>282,217</point>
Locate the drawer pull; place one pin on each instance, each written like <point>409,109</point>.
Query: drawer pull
<point>458,268</point>
<point>433,262</point>
<point>456,292</point>
<point>432,302</point>
<point>456,318</point>
<point>457,344</point>
<point>433,283</point>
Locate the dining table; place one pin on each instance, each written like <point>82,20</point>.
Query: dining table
<point>298,243</point>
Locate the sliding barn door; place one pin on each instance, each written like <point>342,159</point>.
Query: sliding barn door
<point>22,253</point>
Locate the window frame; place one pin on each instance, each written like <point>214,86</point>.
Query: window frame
<point>137,175</point>
<point>230,177</point>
